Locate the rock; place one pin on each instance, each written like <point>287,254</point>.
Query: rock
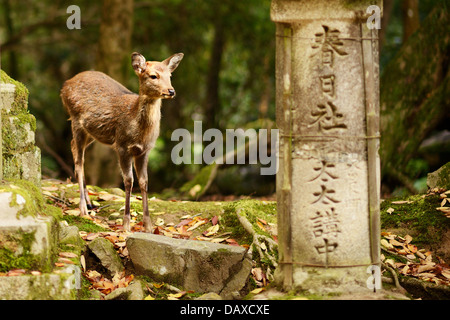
<point>209,296</point>
<point>70,235</point>
<point>104,250</point>
<point>132,292</point>
<point>194,265</point>
<point>440,178</point>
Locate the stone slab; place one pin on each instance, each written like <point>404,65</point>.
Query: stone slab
<point>194,265</point>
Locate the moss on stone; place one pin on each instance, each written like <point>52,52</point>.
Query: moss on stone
<point>417,216</point>
<point>21,93</point>
<point>34,202</point>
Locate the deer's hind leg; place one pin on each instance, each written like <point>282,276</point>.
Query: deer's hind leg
<point>79,143</point>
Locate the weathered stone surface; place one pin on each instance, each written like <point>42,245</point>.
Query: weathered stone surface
<point>70,235</point>
<point>104,250</point>
<point>29,236</point>
<point>327,113</point>
<point>439,178</point>
<point>132,292</point>
<point>21,159</point>
<point>195,265</point>
<point>42,287</point>
<point>209,296</point>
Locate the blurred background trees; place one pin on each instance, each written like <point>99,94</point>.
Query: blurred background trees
<point>226,78</point>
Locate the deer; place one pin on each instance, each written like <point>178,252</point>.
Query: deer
<point>102,109</point>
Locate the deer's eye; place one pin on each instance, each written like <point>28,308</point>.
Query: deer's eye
<point>153,77</point>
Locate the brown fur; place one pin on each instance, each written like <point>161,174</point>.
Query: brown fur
<point>101,108</point>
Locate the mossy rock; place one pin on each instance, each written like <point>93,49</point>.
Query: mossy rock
<point>440,178</point>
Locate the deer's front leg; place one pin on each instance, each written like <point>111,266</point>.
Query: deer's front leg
<point>140,163</point>
<point>127,173</point>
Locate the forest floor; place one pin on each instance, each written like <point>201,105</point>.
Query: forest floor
<point>415,238</point>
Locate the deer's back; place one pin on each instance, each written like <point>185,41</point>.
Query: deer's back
<point>98,104</point>
<point>94,91</point>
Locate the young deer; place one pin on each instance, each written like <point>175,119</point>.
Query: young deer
<point>101,108</point>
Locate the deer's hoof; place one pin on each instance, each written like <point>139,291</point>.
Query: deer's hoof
<point>126,223</point>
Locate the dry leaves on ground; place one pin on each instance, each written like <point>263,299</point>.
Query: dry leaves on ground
<point>419,263</point>
<point>105,285</point>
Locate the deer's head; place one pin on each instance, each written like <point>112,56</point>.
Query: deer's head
<point>154,76</point>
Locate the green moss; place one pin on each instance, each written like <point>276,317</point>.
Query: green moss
<point>21,93</point>
<point>12,244</point>
<point>418,216</point>
<point>201,179</point>
<point>34,203</point>
<point>83,224</point>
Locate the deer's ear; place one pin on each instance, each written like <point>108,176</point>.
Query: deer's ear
<point>173,61</point>
<point>138,63</point>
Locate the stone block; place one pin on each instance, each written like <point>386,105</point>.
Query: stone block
<point>18,133</point>
<point>41,287</point>
<point>194,265</point>
<point>7,94</point>
<point>30,239</point>
<point>26,165</point>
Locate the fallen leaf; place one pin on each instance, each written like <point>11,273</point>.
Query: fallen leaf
<point>408,238</point>
<point>412,248</point>
<point>258,290</point>
<point>197,224</point>
<point>72,212</point>
<point>16,272</point>
<point>176,295</point>
<point>68,255</point>
<point>262,221</point>
<point>211,231</point>
<point>50,188</point>
<point>159,222</point>
<point>83,263</point>
<point>149,297</point>
<point>386,244</point>
<point>390,210</point>
<point>260,225</point>
<point>401,202</point>
<point>257,273</point>
<point>215,220</point>
<point>395,243</point>
<point>425,267</point>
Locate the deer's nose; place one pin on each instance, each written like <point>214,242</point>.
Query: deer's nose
<point>171,92</point>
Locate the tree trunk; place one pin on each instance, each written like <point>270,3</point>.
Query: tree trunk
<point>12,70</point>
<point>388,6</point>
<point>415,92</point>
<point>411,19</point>
<point>113,59</point>
<point>212,103</point>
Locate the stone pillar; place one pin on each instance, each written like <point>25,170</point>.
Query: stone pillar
<point>21,158</point>
<point>327,97</point>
